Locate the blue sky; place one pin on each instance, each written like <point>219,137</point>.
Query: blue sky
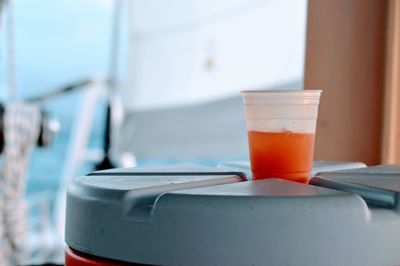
<point>57,41</point>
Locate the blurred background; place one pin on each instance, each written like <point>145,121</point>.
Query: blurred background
<point>131,82</point>
<point>138,83</point>
<point>56,43</point>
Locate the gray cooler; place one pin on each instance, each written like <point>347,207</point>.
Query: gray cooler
<point>190,215</point>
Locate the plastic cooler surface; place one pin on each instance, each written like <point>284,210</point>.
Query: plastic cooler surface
<point>193,215</point>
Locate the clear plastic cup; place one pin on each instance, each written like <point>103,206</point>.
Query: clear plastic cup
<point>281,130</point>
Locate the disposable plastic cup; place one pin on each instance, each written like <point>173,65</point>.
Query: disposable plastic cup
<point>281,128</point>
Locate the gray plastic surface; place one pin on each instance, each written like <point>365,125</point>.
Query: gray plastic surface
<point>170,170</point>
<point>378,185</point>
<point>264,222</point>
<point>318,166</point>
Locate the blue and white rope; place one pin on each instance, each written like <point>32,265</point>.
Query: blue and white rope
<point>21,129</point>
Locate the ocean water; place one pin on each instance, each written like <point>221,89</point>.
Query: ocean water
<point>45,168</point>
<point>52,50</point>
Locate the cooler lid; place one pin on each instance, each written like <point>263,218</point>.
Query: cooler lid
<point>113,184</point>
<point>170,215</point>
<point>378,185</point>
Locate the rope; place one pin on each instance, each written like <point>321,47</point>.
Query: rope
<point>12,81</point>
<point>21,129</point>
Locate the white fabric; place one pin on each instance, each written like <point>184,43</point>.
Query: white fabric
<point>21,129</point>
<point>189,52</point>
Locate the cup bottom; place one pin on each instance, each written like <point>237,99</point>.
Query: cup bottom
<point>302,177</point>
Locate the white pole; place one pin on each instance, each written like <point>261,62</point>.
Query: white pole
<point>77,150</point>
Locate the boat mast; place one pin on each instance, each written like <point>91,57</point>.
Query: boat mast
<point>107,163</point>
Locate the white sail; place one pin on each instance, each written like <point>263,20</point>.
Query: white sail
<point>183,52</point>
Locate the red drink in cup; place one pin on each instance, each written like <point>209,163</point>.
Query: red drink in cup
<point>281,128</point>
